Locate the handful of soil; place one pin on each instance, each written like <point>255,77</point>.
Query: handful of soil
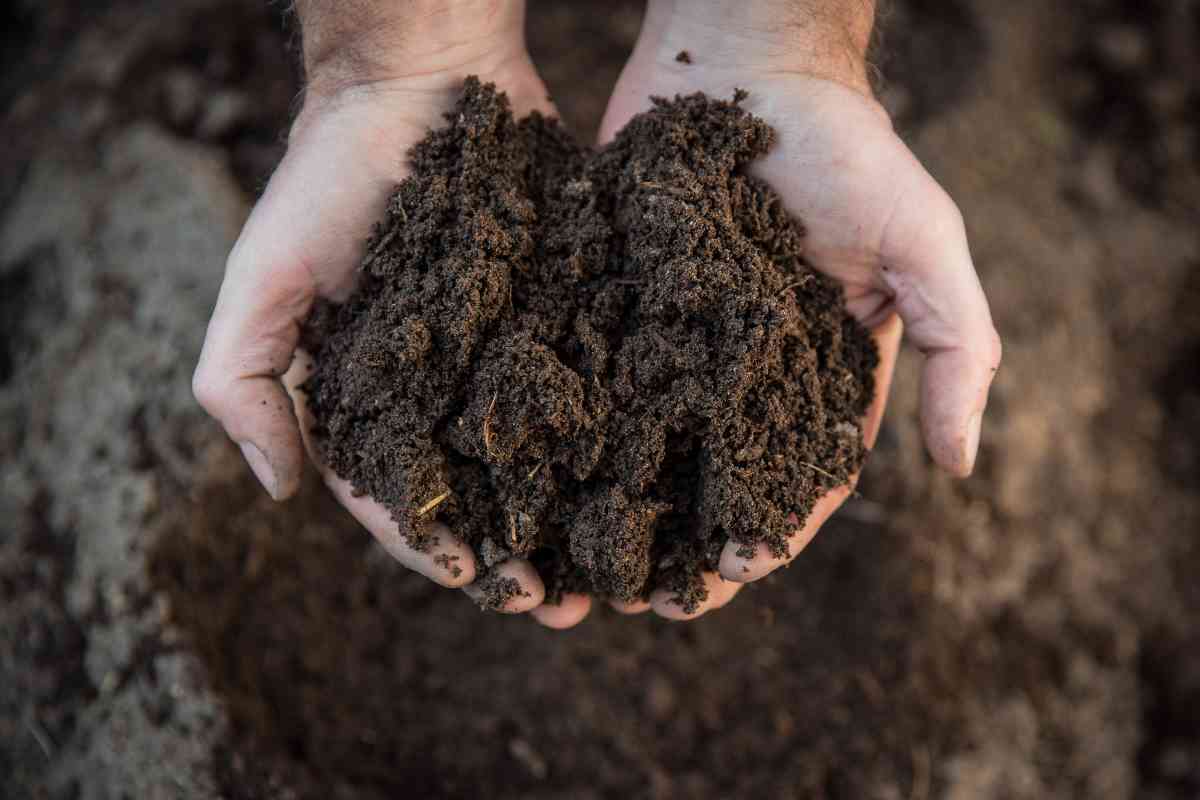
<point>608,362</point>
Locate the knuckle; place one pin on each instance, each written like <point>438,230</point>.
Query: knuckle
<point>995,349</point>
<point>947,219</point>
<point>952,213</point>
<point>205,390</point>
<point>235,258</point>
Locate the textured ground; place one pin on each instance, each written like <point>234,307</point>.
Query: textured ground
<point>165,631</point>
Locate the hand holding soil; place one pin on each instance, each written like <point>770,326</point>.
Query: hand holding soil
<point>303,241</point>
<point>873,221</point>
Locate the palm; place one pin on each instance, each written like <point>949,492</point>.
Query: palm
<point>344,159</point>
<point>875,221</point>
<point>836,163</point>
<point>304,241</point>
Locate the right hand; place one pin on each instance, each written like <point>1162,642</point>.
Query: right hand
<point>347,150</point>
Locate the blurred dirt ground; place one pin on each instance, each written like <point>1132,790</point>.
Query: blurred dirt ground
<point>166,631</point>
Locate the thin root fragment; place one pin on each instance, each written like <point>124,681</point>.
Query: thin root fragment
<point>815,468</point>
<point>487,425</point>
<point>434,503</point>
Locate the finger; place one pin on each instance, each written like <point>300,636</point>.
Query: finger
<point>567,613</point>
<point>887,336</point>
<point>276,268</point>
<point>720,592</point>
<point>495,592</point>
<point>449,562</point>
<point>745,569</point>
<point>927,267</point>
<point>629,606</point>
<point>248,345</point>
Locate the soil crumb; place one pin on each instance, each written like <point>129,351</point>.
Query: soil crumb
<point>609,362</point>
<point>683,57</point>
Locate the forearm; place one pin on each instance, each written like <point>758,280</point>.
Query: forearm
<point>826,38</point>
<point>356,42</point>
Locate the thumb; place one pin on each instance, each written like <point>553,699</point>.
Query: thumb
<point>926,265</point>
<point>302,239</point>
<point>250,341</point>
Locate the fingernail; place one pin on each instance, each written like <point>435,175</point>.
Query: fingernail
<point>971,442</point>
<point>262,468</point>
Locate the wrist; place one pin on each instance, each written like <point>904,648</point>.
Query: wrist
<point>428,44</point>
<point>821,38</point>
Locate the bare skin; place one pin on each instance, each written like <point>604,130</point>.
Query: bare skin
<point>877,221</point>
<point>371,95</point>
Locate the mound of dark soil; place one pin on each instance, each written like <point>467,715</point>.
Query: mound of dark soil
<point>608,362</point>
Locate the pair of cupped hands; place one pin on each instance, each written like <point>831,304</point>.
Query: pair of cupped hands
<point>876,221</point>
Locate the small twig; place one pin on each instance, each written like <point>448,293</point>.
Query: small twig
<point>383,242</point>
<point>675,190</point>
<point>792,285</point>
<point>40,737</point>
<point>534,471</point>
<point>815,468</point>
<point>487,424</point>
<point>434,503</point>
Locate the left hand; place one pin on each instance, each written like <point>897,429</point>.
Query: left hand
<point>876,220</point>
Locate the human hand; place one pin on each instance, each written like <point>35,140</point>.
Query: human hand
<point>875,219</point>
<point>378,80</point>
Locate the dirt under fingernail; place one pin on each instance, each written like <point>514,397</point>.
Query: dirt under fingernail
<point>610,362</point>
<point>494,590</point>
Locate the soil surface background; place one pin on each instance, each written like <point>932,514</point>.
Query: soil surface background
<point>167,631</point>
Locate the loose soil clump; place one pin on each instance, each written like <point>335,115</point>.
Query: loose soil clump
<point>609,362</point>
